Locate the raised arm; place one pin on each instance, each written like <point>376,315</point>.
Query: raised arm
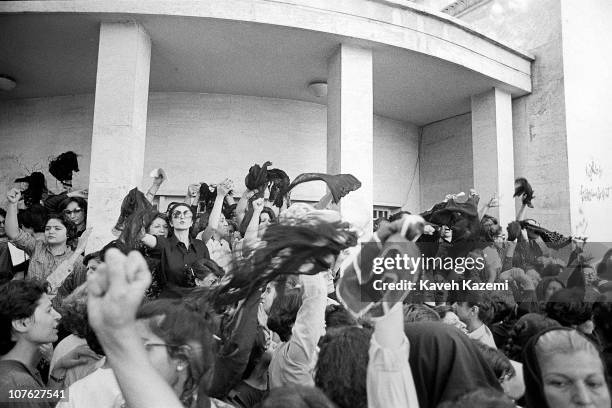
<point>310,321</point>
<point>493,202</point>
<point>242,205</point>
<point>11,225</point>
<point>250,235</point>
<point>389,379</point>
<point>193,194</point>
<point>521,212</point>
<point>115,291</point>
<point>149,240</point>
<point>223,189</point>
<point>157,182</point>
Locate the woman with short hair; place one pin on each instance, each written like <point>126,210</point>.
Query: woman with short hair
<point>53,251</point>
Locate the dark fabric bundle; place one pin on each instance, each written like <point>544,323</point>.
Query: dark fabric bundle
<point>202,267</point>
<point>522,186</point>
<point>303,248</point>
<point>552,239</point>
<point>62,167</point>
<point>462,218</point>
<point>279,186</point>
<point>37,188</point>
<point>133,202</point>
<point>134,225</point>
<point>257,179</point>
<point>448,363</point>
<point>207,197</point>
<point>339,184</point>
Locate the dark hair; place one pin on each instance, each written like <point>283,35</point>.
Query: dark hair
<point>602,317</point>
<point>93,255</point>
<point>567,306</point>
<point>18,300</point>
<point>75,320</point>
<point>203,267</point>
<point>551,270</point>
<point>186,326</point>
<point>414,312</point>
<point>543,286</point>
<point>283,312</point>
<point>482,300</point>
<point>34,217</point>
<point>71,228</point>
<point>270,212</point>
<point>152,217</point>
<point>296,397</point>
<point>342,374</point>
<point>398,215</point>
<point>480,398</point>
<point>488,231</point>
<point>576,278</point>
<point>337,315</point>
<point>524,329</point>
<point>377,223</point>
<point>307,241</point>
<point>79,200</point>
<point>602,267</point>
<point>174,206</point>
<point>496,359</point>
<point>2,212</point>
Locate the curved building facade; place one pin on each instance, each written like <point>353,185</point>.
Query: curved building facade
<point>416,103</point>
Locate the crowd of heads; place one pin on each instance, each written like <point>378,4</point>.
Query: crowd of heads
<point>246,299</point>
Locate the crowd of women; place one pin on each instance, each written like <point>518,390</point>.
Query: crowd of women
<point>258,302</point>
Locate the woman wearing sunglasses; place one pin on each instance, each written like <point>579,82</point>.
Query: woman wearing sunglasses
<point>178,251</point>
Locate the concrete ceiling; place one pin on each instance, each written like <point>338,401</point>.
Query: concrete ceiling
<point>56,54</point>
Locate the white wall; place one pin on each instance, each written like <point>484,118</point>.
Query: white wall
<point>446,159</point>
<point>587,63</point>
<point>540,147</point>
<point>204,137</point>
<point>396,170</point>
<point>34,130</point>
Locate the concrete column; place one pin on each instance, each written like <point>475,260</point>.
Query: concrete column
<point>119,125</point>
<point>350,127</point>
<point>493,154</point>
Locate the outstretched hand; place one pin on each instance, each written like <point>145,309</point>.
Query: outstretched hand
<point>115,291</point>
<point>225,187</point>
<point>82,244</point>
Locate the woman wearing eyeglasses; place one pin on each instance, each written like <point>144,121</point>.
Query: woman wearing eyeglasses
<point>75,209</point>
<point>178,251</point>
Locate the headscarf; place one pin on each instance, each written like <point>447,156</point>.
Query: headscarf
<point>306,245</point>
<point>63,166</point>
<point>522,186</point>
<point>135,201</point>
<point>338,184</point>
<point>532,373</point>
<point>447,362</point>
<point>37,188</point>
